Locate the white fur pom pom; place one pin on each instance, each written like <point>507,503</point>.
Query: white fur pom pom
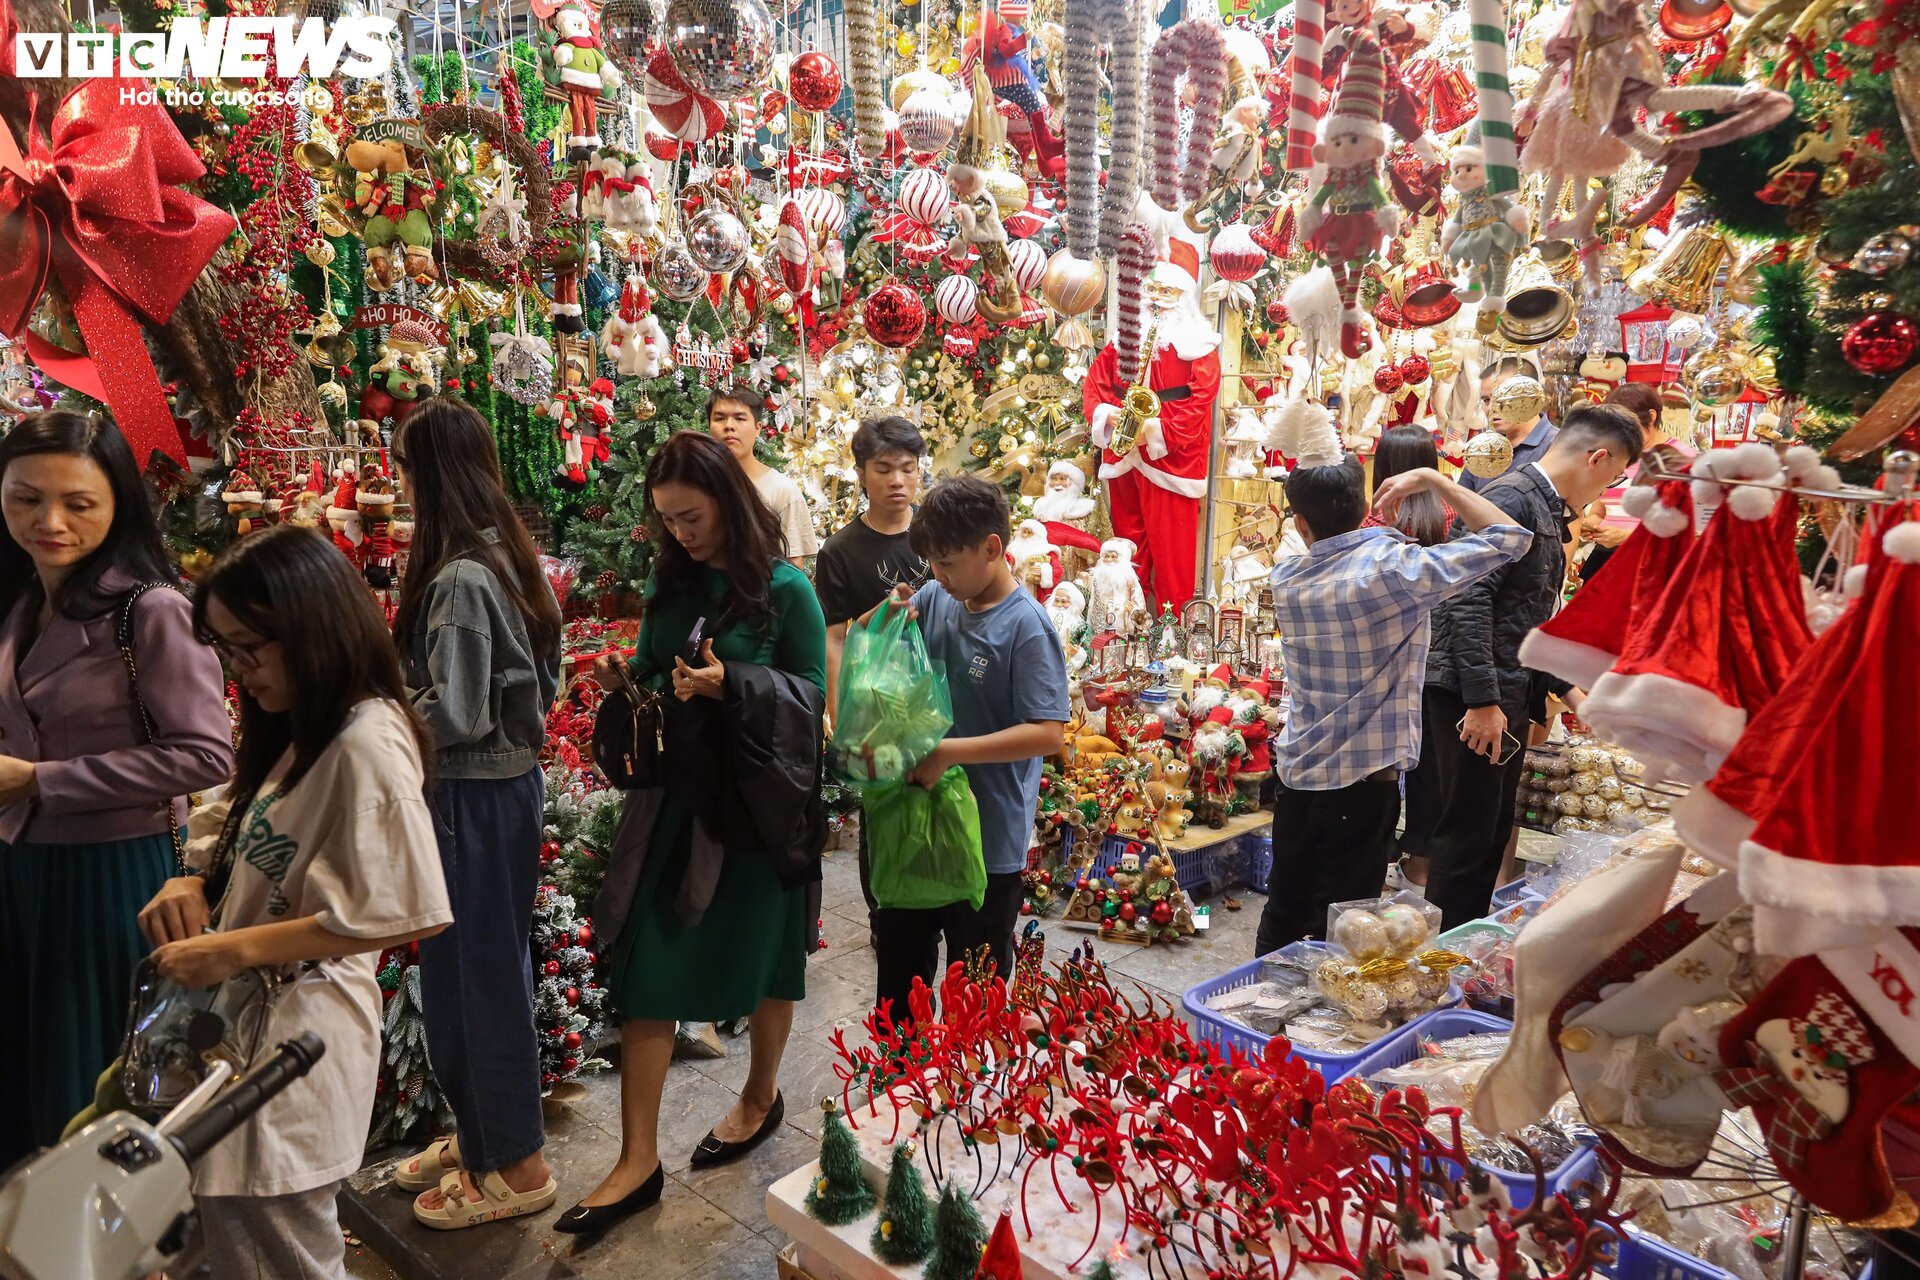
<point>1707,493</point>
<point>1750,502</point>
<point>1664,521</point>
<point>1706,465</point>
<point>1827,478</point>
<point>1854,584</point>
<point>1313,304</point>
<point>1753,461</point>
<point>1903,543</point>
<point>1803,461</point>
<point>1638,500</point>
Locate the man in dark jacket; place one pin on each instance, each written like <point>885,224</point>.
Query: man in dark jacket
<point>1478,696</point>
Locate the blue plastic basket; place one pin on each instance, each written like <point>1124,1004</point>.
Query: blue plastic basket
<point>1403,1046</point>
<point>1219,1030</point>
<point>1190,865</point>
<point>1512,894</point>
<point>1259,851</point>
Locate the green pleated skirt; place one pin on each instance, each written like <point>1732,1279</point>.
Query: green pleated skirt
<point>752,942</point>
<point>69,943</point>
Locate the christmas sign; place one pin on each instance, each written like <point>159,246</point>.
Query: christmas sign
<point>382,315</point>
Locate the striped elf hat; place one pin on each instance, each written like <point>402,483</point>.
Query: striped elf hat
<point>1363,89</point>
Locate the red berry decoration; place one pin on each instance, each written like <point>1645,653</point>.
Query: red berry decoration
<point>584,935</point>
<point>1880,343</point>
<point>570,1065</point>
<point>814,81</point>
<point>1387,380</point>
<point>553,968</point>
<point>894,315</point>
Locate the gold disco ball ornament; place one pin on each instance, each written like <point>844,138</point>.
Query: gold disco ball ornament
<point>1489,454</point>
<point>1517,400</point>
<point>1008,189</point>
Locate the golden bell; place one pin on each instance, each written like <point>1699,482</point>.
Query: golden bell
<point>319,153</point>
<point>1562,258</point>
<point>480,302</point>
<point>1682,276</point>
<point>1538,309</point>
<point>332,216</point>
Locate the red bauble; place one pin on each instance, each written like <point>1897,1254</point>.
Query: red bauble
<point>583,935</point>
<point>1277,313</point>
<point>1026,908</point>
<point>1880,343</point>
<point>570,1064</point>
<point>894,315</point>
<point>1387,379</point>
<point>571,995</point>
<point>1106,926</point>
<point>1162,912</point>
<point>553,968</point>
<point>814,81</point>
<point>1129,912</point>
<point>1415,370</point>
<point>572,1040</point>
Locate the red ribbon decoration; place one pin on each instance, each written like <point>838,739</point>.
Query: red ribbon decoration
<point>96,202</point>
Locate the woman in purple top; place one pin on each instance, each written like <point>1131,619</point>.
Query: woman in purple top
<point>84,787</point>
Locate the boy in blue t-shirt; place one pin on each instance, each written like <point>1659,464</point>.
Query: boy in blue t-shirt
<point>1010,704</point>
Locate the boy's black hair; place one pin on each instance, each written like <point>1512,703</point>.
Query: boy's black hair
<point>1601,426</point>
<point>891,434</point>
<point>739,393</point>
<point>958,513</point>
<point>1332,500</point>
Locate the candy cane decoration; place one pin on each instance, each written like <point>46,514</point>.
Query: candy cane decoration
<point>863,59</point>
<point>1134,263</point>
<point>1489,19</point>
<point>1303,73</point>
<point>1196,48</point>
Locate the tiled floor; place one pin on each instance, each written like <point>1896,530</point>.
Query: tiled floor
<point>713,1224</point>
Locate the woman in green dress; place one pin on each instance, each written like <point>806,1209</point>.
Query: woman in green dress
<point>721,564</point>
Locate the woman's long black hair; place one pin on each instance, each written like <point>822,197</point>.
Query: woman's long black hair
<point>132,544</point>
<point>1423,517</point>
<point>291,585</point>
<point>754,540</point>
<point>454,484</point>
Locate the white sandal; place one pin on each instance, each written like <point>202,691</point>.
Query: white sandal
<point>497,1200</point>
<point>412,1174</point>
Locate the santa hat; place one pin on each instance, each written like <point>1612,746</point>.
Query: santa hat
<point>1581,642</point>
<point>1001,1259</point>
<point>1259,688</point>
<point>1075,475</point>
<point>1181,266</point>
<point>1362,99</point>
<point>1124,546</point>
<point>1826,864</point>
<point>1221,675</point>
<point>601,387</point>
<point>1220,715</point>
<point>344,493</point>
<point>1721,639</point>
<point>1717,818</point>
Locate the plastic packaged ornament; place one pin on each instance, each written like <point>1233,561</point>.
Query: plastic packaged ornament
<point>677,275</point>
<point>814,81</point>
<point>723,48</point>
<point>957,299</point>
<point>894,315</point>
<point>717,240</point>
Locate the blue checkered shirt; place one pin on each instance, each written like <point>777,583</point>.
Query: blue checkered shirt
<point>1353,617</point>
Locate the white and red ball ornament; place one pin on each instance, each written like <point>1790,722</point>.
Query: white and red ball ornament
<point>924,197</point>
<point>1029,264</point>
<point>1235,255</point>
<point>824,210</point>
<point>957,299</point>
<point>682,110</point>
<point>927,122</point>
<point>894,315</point>
<point>814,81</point>
<point>790,248</point>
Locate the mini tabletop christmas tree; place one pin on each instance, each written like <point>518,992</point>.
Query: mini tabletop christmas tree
<point>1002,1258</point>
<point>959,1237</point>
<point>840,1194</point>
<point>1136,901</point>
<point>904,1233</point>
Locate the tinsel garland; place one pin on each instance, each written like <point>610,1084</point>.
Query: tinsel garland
<point>1134,262</point>
<point>1123,166</point>
<point>863,78</point>
<point>1785,324</point>
<point>1094,225</point>
<point>1197,49</point>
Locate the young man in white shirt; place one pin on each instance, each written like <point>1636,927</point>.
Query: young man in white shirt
<point>734,416</point>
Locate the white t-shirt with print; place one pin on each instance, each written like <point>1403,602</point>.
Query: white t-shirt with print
<point>352,846</point>
<point>788,503</point>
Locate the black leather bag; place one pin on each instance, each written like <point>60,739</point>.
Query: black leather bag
<point>629,735</point>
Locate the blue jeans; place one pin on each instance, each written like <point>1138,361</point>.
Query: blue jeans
<point>476,976</point>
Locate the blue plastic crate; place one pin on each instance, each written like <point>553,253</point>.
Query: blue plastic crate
<point>1219,1030</point>
<point>1403,1046</point>
<point>1513,894</point>
<point>1189,865</point>
<point>1259,851</point>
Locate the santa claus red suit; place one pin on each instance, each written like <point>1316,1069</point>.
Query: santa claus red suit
<point>1154,489</point>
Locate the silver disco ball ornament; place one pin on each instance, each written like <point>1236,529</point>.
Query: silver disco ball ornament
<point>724,48</point>
<point>677,275</point>
<point>717,240</point>
<point>626,28</point>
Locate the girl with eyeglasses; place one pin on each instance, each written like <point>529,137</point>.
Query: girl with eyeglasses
<point>91,769</point>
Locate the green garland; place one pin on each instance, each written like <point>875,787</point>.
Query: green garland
<point>1785,324</point>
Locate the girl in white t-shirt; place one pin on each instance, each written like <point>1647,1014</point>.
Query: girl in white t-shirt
<point>326,857</point>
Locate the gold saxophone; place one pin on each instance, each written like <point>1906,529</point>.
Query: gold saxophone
<point>1140,403</point>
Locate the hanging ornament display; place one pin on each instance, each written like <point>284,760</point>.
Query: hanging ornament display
<point>1029,263</point>
<point>927,123</point>
<point>723,48</point>
<point>677,275</point>
<point>791,248</point>
<point>1195,50</point>
<point>957,299</point>
<point>924,197</point>
<point>1880,344</point>
<point>1886,253</point>
<point>863,65</point>
<point>1234,255</point>
<point>717,240</point>
<point>1073,286</point>
<point>813,81</point>
<point>626,28</point>
<point>685,113</point>
<point>894,315</point>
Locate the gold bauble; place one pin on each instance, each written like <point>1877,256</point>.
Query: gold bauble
<point>979,448</point>
<point>1761,375</point>
<point>912,82</point>
<point>1008,189</point>
<point>1833,180</point>
<point>320,253</point>
<point>644,407</point>
<point>319,98</point>
<point>1007,443</point>
<point>332,394</point>
<point>1518,400</point>
<point>904,45</point>
<point>1714,378</point>
<point>1489,454</point>
<point>1073,286</point>
<point>950,67</point>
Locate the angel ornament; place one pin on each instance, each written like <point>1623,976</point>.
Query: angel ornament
<point>1484,230</point>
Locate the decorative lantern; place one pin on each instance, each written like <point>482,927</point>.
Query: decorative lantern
<point>1643,336</point>
<point>1743,420</point>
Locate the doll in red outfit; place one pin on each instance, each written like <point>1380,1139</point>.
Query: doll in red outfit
<point>1350,216</point>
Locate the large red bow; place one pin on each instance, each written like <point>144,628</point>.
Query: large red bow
<point>97,203</point>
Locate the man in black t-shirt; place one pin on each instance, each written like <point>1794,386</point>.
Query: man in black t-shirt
<point>861,564</point>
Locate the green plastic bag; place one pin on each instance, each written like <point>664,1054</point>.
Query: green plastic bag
<point>894,704</point>
<point>923,847</point>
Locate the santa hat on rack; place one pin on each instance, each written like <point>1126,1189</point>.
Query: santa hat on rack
<point>1722,637</point>
<point>1583,641</point>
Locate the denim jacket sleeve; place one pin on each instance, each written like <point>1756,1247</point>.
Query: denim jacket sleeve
<point>457,698</point>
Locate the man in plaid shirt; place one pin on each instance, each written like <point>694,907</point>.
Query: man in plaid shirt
<point>1353,618</point>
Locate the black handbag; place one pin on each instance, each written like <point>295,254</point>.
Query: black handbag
<point>629,735</point>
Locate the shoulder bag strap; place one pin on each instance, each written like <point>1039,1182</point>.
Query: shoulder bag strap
<point>123,636</point>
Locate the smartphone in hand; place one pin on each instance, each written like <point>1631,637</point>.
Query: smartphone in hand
<point>692,654</point>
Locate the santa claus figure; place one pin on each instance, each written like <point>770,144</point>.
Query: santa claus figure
<point>1065,501</point>
<point>632,336</point>
<point>1154,488</point>
<point>343,516</point>
<point>1067,608</point>
<point>1207,695</point>
<point>1036,565</point>
<point>1255,721</point>
<point>1217,752</point>
<point>1117,598</point>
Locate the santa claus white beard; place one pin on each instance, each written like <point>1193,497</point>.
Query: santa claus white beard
<point>1025,549</point>
<point>1112,579</point>
<point>1065,620</point>
<point>1245,710</point>
<point>1204,699</point>
<point>1210,744</point>
<point>1060,507</point>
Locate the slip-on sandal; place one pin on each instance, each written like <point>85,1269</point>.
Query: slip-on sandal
<point>713,1151</point>
<point>497,1200</point>
<point>424,1171</point>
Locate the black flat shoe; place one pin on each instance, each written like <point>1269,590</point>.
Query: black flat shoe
<point>584,1219</point>
<point>712,1151</point>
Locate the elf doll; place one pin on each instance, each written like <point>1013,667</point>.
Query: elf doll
<point>1002,39</point>
<point>585,72</point>
<point>1484,230</point>
<point>1350,216</point>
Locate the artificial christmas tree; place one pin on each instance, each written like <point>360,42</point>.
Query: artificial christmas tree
<point>408,1099</point>
<point>959,1236</point>
<point>904,1233</point>
<point>567,1001</point>
<point>840,1194</point>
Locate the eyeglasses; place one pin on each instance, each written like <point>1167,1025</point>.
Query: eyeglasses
<point>237,653</point>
